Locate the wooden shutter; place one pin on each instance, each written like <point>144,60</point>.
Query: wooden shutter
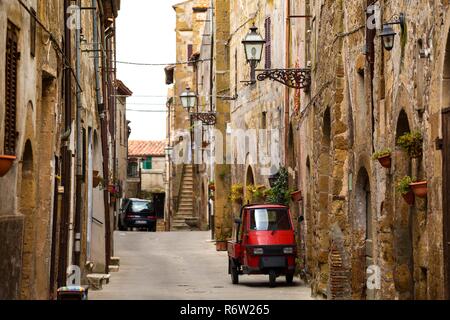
<point>268,47</point>
<point>33,32</point>
<point>12,57</point>
<point>189,51</point>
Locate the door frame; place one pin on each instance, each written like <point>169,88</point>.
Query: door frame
<point>446,196</point>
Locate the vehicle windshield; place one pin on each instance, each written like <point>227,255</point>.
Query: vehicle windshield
<point>269,220</point>
<point>141,207</point>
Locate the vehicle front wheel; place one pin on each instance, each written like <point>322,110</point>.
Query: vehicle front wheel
<point>273,279</point>
<point>290,278</point>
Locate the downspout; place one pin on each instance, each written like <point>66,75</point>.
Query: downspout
<point>79,148</point>
<point>66,155</point>
<point>106,151</point>
<point>286,90</point>
<point>102,112</point>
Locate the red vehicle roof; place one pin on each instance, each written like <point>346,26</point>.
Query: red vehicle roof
<point>265,206</point>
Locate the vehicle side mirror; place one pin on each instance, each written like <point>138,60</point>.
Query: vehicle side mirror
<point>238,221</point>
<point>301,219</point>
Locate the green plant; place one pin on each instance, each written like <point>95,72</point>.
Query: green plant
<point>280,192</point>
<point>382,153</point>
<point>403,185</point>
<point>237,192</point>
<point>255,193</point>
<point>412,143</point>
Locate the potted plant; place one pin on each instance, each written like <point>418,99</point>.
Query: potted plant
<point>404,189</point>
<point>222,243</point>
<point>256,194</point>
<point>212,186</point>
<point>280,192</point>
<point>420,188</point>
<point>297,196</point>
<point>384,157</point>
<point>412,143</point>
<point>237,193</point>
<point>6,163</point>
<point>96,179</point>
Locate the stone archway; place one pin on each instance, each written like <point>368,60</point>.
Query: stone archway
<point>322,208</point>
<point>446,165</point>
<point>402,224</point>
<point>27,207</point>
<point>363,232</point>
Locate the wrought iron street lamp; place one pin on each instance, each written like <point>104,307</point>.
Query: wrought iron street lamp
<point>388,34</point>
<point>189,101</point>
<point>253,45</point>
<point>293,78</point>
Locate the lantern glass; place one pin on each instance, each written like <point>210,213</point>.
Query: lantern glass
<point>253,45</point>
<point>388,37</point>
<point>188,99</point>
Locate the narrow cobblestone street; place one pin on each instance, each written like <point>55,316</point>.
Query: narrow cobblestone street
<point>184,266</point>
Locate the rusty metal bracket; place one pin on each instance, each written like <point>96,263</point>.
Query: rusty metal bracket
<point>293,78</point>
<point>207,118</point>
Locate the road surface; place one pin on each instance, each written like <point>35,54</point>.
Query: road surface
<point>184,266</point>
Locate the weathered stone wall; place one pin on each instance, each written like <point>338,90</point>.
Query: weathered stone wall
<point>351,113</point>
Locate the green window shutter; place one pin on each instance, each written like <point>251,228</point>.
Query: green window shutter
<point>148,165</point>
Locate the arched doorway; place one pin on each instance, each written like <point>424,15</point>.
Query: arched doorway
<point>446,165</point>
<point>322,237</point>
<point>249,181</point>
<point>27,207</point>
<point>402,225</point>
<point>364,228</point>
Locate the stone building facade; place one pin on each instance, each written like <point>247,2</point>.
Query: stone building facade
<point>362,99</point>
<point>360,239</point>
<point>56,121</point>
<point>185,201</point>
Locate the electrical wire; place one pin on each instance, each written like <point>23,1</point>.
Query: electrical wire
<point>159,64</point>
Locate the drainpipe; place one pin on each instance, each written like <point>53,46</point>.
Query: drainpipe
<point>66,156</point>
<point>106,150</point>
<point>79,148</point>
<point>286,90</point>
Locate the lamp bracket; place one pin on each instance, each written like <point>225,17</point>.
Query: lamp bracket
<point>397,19</point>
<point>207,118</point>
<point>293,78</point>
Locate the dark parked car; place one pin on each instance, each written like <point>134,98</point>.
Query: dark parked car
<point>137,213</point>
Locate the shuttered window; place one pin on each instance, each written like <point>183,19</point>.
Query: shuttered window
<point>148,164</point>
<point>12,57</point>
<point>268,47</point>
<point>33,33</point>
<point>189,51</point>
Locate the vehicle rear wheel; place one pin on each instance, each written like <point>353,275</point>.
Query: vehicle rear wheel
<point>121,227</point>
<point>290,278</point>
<point>234,275</point>
<point>273,278</point>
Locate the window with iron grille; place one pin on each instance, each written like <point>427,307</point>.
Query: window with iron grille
<point>12,57</point>
<point>268,47</point>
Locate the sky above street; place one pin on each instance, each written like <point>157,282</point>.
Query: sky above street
<point>146,34</point>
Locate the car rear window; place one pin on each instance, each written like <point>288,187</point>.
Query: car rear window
<point>269,219</point>
<point>141,207</point>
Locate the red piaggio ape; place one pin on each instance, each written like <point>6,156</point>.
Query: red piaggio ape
<point>263,243</point>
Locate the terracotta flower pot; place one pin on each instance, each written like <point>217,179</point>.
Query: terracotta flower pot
<point>420,188</point>
<point>385,161</point>
<point>212,187</point>
<point>6,163</point>
<point>96,181</point>
<point>409,198</point>
<point>221,245</point>
<point>297,196</point>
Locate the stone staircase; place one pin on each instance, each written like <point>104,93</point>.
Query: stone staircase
<point>186,202</point>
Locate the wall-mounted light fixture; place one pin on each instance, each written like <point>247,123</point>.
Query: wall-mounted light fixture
<point>293,78</point>
<point>388,34</point>
<point>189,100</point>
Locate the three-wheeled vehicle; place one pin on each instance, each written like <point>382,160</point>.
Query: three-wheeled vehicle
<point>263,243</point>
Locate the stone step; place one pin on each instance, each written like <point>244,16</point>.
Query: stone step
<point>97,280</point>
<point>114,268</point>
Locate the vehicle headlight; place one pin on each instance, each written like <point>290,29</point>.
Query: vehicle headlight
<point>288,250</point>
<point>258,251</point>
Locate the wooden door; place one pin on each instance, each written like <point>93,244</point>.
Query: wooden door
<point>446,196</point>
